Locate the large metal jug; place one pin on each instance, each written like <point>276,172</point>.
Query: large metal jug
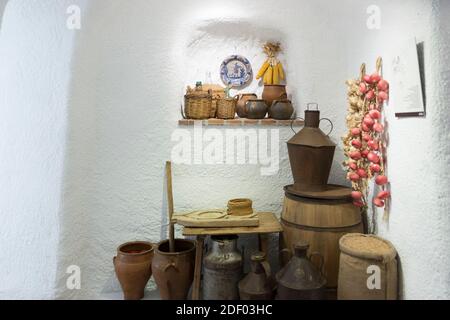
<point>311,153</point>
<point>223,269</point>
<point>300,279</point>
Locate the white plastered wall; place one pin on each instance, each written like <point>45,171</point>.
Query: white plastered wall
<point>110,120</point>
<point>418,149</point>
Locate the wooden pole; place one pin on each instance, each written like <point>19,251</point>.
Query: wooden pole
<point>198,267</point>
<point>170,206</point>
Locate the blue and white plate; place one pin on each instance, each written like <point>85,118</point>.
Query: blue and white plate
<point>236,71</point>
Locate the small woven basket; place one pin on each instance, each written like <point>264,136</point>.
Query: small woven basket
<point>240,207</point>
<point>217,92</point>
<point>197,105</point>
<point>226,108</point>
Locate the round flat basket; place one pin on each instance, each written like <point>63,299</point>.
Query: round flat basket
<point>207,214</point>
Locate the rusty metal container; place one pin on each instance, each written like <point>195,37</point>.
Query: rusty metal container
<point>311,153</point>
<point>300,279</point>
<point>222,269</point>
<point>258,284</point>
<point>321,223</point>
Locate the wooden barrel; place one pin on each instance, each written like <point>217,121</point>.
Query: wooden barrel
<point>321,223</point>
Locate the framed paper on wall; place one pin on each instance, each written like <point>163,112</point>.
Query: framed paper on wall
<point>407,80</point>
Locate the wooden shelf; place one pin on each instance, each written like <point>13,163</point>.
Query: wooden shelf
<point>268,223</point>
<point>240,122</point>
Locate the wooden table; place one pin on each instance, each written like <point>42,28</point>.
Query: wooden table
<point>268,223</point>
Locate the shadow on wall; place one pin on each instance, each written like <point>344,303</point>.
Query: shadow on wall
<point>205,46</point>
<point>211,41</point>
<point>3,4</point>
<point>121,117</point>
<point>226,29</point>
<point>401,286</point>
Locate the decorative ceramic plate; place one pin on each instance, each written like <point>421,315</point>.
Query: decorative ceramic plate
<point>236,71</point>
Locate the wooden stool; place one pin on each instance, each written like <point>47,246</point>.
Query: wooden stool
<point>268,223</point>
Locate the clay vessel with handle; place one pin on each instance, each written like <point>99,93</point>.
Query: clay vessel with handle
<point>242,100</point>
<point>174,271</point>
<point>281,110</point>
<point>256,109</point>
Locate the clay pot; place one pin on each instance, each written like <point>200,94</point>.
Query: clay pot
<point>256,109</point>
<point>174,271</point>
<point>281,110</point>
<point>242,100</point>
<point>133,268</point>
<point>274,92</point>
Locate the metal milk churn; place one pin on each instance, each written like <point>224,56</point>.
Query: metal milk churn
<point>311,153</point>
<point>222,269</point>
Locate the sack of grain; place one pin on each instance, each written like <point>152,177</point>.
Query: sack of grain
<point>367,268</point>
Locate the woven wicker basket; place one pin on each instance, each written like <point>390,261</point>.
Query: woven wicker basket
<point>226,108</point>
<point>240,207</point>
<point>197,104</point>
<point>217,92</point>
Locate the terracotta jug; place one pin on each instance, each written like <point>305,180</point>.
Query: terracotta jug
<point>311,154</point>
<point>256,109</point>
<point>259,283</point>
<point>300,279</point>
<point>133,268</point>
<point>242,100</point>
<point>273,92</point>
<point>174,271</point>
<point>281,110</point>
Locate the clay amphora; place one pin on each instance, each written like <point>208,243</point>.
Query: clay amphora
<point>256,109</point>
<point>273,92</point>
<point>174,271</point>
<point>281,110</point>
<point>258,284</point>
<point>242,100</point>
<point>133,268</point>
<point>311,154</point>
<point>300,279</point>
<point>222,269</point>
